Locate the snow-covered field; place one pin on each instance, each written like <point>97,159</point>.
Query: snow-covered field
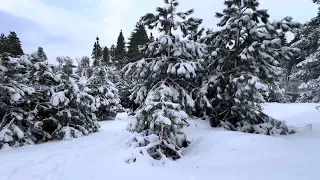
<point>213,154</point>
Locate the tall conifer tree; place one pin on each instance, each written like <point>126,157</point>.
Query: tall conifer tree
<point>96,53</point>
<point>162,89</point>
<point>3,43</point>
<point>112,53</point>
<point>138,38</point>
<point>106,56</point>
<point>121,52</point>
<point>14,44</point>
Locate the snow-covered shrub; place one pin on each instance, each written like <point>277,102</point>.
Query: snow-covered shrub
<point>242,66</point>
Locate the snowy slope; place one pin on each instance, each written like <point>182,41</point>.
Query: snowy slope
<point>214,154</point>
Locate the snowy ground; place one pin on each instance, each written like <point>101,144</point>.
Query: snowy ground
<point>214,154</point>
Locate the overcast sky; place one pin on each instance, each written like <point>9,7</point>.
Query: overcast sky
<point>69,27</point>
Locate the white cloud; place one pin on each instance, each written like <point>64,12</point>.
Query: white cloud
<point>119,6</point>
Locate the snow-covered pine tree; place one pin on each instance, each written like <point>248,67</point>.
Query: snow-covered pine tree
<point>84,69</point>
<point>307,70</point>
<point>105,56</point>
<point>15,95</point>
<point>4,47</point>
<point>74,109</point>
<point>137,38</point>
<point>14,44</point>
<point>105,93</point>
<point>309,73</point>
<point>96,53</point>
<point>242,65</point>
<point>112,53</point>
<point>42,78</point>
<point>41,55</point>
<point>163,80</point>
<point>120,51</point>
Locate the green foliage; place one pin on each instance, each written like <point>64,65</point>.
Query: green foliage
<point>112,53</point>
<point>11,44</point>
<point>96,53</point>
<point>106,56</point>
<point>14,44</point>
<point>120,51</point>
<point>138,38</point>
<point>41,54</point>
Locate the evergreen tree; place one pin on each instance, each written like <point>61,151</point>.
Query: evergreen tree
<point>14,44</point>
<point>162,85</point>
<point>309,73</point>
<point>106,56</point>
<point>3,44</point>
<point>307,38</point>
<point>242,66</point>
<point>96,53</point>
<point>105,93</point>
<point>121,52</point>
<point>83,68</point>
<point>14,97</point>
<point>74,109</point>
<point>42,127</point>
<point>41,54</point>
<point>112,53</point>
<point>137,38</point>
<point>316,1</point>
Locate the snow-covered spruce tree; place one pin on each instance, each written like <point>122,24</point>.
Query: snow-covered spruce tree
<point>163,81</point>
<point>32,110</point>
<point>307,70</point>
<point>242,65</point>
<point>14,44</point>
<point>96,55</point>
<point>41,77</point>
<point>74,109</point>
<point>137,38</point>
<point>309,73</point>
<point>106,95</point>
<point>41,55</point>
<point>14,100</point>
